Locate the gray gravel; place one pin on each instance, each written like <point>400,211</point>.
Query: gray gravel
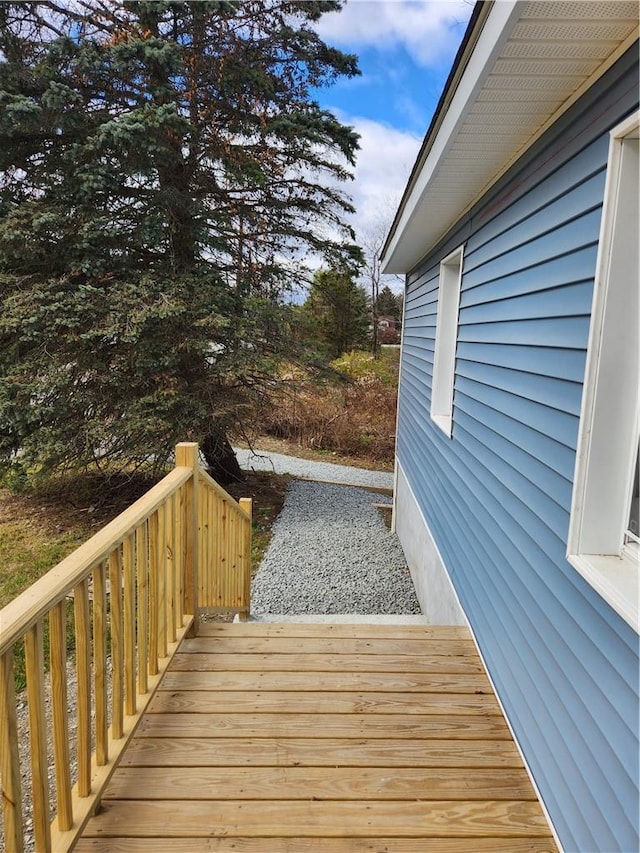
<point>262,460</point>
<point>331,552</point>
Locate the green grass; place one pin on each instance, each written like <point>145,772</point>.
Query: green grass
<point>27,552</point>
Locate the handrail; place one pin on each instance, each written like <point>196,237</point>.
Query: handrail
<point>217,488</point>
<point>32,604</point>
<point>162,559</point>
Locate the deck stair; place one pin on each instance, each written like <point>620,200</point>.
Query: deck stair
<point>321,737</point>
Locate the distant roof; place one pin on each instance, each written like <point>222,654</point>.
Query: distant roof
<point>520,66</point>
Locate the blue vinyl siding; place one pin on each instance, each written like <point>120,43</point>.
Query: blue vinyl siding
<point>497,494</point>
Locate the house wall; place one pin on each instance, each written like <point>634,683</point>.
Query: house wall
<point>496,496</point>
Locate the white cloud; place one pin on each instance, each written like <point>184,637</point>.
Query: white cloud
<point>384,163</point>
<point>427,29</point>
<point>383,166</point>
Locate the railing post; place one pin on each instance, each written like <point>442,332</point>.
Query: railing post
<point>187,457</point>
<point>246,504</point>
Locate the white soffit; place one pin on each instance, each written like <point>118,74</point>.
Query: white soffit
<point>530,61</point>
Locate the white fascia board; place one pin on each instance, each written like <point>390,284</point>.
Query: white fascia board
<point>497,28</point>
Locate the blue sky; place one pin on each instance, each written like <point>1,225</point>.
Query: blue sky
<point>405,50</point>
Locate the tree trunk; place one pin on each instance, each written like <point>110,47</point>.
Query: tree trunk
<point>221,461</point>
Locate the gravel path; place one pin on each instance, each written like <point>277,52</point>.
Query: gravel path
<point>331,552</point>
<point>309,469</point>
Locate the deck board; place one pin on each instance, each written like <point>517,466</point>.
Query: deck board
<point>427,663</point>
<point>375,682</point>
<point>326,738</point>
<point>293,702</point>
<point>346,844</point>
<point>320,783</point>
<point>312,752</point>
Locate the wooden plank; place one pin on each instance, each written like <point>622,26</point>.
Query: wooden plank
<point>392,682</point>
<point>203,597</point>
<point>142,609</point>
<point>117,647</point>
<point>224,560</point>
<point>246,504</point>
<point>176,560</point>
<point>83,678</point>
<point>58,659</point>
<point>323,845</point>
<point>34,660</point>
<point>408,819</point>
<point>129,619</point>
<point>165,593</point>
<point>278,702</point>
<point>100,662</point>
<point>389,631</point>
<point>232,569</point>
<point>324,726</point>
<point>9,760</point>
<point>216,549</point>
<point>188,752</point>
<point>187,457</point>
<point>219,527</point>
<point>319,783</point>
<point>325,663</point>
<point>155,602</point>
<point>326,646</point>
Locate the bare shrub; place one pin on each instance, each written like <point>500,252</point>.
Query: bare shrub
<point>354,414</point>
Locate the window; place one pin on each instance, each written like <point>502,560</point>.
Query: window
<point>446,336</point>
<point>604,509</point>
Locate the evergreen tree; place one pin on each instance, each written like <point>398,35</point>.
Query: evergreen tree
<point>336,315</point>
<point>163,168</point>
<point>387,303</point>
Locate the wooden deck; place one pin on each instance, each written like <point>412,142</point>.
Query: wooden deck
<point>338,738</point>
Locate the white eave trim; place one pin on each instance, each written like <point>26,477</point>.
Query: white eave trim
<point>497,27</point>
<point>428,210</point>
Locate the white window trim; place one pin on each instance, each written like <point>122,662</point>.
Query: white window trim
<point>605,460</point>
<point>444,360</point>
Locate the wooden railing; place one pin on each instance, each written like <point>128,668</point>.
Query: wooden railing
<point>137,587</point>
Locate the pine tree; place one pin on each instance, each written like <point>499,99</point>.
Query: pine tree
<point>387,303</point>
<point>336,313</point>
<point>164,167</point>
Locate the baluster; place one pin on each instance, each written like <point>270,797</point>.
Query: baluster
<point>201,544</point>
<point>83,670</point>
<point>9,761</point>
<point>171,549</point>
<point>247,505</point>
<point>206,561</point>
<point>164,589</point>
<point>58,654</point>
<point>179,557</point>
<point>100,662</point>
<point>154,602</point>
<point>34,659</point>
<point>224,551</point>
<point>214,556</point>
<point>232,570</point>
<point>129,591</point>
<point>142,574</point>
<point>117,651</point>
